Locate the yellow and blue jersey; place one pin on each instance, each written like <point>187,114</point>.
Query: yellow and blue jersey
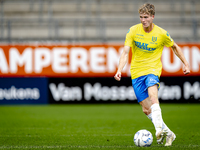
<point>147,49</point>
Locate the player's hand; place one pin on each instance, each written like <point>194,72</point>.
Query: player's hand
<point>118,76</point>
<point>186,70</point>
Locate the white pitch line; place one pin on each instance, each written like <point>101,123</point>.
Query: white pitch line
<point>82,146</point>
<point>67,135</point>
<point>53,147</point>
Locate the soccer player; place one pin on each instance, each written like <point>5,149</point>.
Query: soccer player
<point>147,41</point>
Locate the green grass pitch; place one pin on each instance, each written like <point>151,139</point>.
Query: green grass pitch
<point>93,126</point>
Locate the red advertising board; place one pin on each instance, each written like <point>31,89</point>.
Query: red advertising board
<point>83,60</point>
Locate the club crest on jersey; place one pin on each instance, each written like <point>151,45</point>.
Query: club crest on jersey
<point>154,39</point>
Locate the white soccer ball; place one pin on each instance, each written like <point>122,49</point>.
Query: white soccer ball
<point>143,138</point>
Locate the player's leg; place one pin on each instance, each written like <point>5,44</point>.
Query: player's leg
<point>164,131</point>
<point>147,110</point>
<point>141,91</point>
<point>156,114</point>
<point>155,108</point>
<point>150,107</point>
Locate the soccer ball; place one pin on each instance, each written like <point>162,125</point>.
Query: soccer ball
<point>143,138</point>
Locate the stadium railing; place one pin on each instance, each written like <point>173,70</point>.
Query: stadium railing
<point>92,20</point>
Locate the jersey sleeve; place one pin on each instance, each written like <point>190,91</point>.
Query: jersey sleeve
<point>168,41</point>
<point>129,38</point>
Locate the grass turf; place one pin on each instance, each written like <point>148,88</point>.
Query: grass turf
<point>94,126</point>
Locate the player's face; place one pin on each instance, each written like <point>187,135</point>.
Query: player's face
<point>146,20</point>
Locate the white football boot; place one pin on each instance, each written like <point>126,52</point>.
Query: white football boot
<point>161,136</point>
<point>170,138</point>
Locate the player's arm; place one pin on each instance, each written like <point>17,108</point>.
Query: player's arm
<point>122,62</point>
<point>178,52</point>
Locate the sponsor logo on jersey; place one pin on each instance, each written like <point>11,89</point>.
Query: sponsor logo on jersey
<point>144,46</point>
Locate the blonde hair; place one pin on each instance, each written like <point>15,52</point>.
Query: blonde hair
<point>147,9</point>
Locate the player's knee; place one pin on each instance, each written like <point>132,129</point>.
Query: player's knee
<point>153,99</point>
